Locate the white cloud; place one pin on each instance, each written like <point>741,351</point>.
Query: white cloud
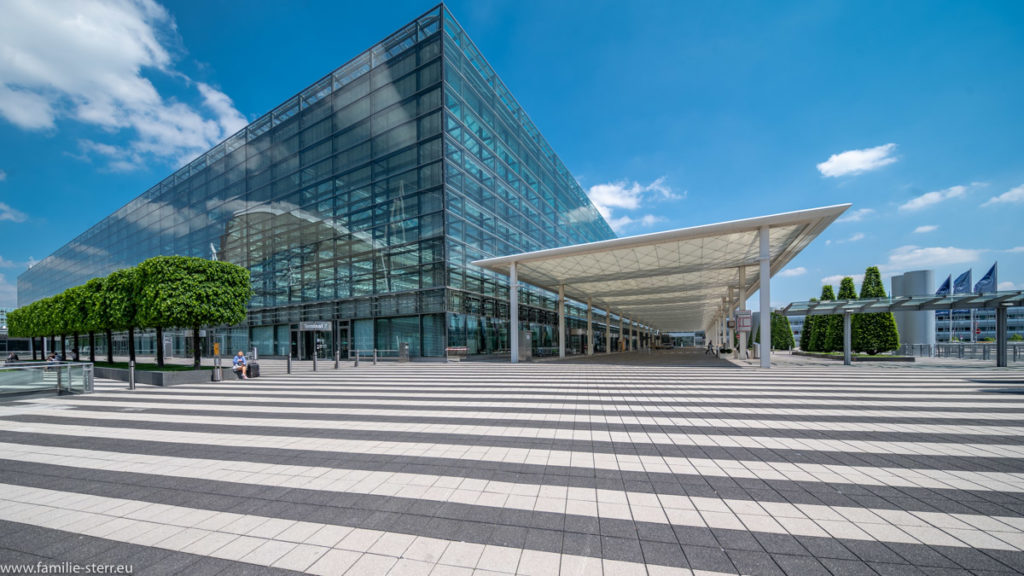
<point>1013,196</point>
<point>837,279</point>
<point>792,272</point>
<point>3,175</point>
<point>856,237</point>
<point>852,162</point>
<point>87,60</point>
<point>856,215</point>
<point>925,229</point>
<point>931,198</point>
<point>5,263</point>
<point>8,293</point>
<point>1007,285</point>
<point>10,214</point>
<point>629,196</point>
<point>906,257</point>
<point>1016,250</point>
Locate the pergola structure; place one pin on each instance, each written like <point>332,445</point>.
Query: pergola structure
<point>678,280</point>
<point>1001,302</point>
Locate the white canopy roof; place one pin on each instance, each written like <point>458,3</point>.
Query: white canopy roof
<point>674,280</point>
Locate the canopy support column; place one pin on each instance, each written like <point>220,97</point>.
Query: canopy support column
<point>847,335</point>
<point>608,332</point>
<point>561,320</point>
<point>730,311</point>
<point>622,336</point>
<point>742,306</point>
<point>1001,322</point>
<point>590,328</point>
<point>513,312</point>
<point>765,262</point>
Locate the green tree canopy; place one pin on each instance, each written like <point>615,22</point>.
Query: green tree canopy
<point>186,292</point>
<point>823,325</point>
<point>805,333</point>
<point>782,332</point>
<point>876,332</point>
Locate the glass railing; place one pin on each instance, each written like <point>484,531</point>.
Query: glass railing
<point>22,378</point>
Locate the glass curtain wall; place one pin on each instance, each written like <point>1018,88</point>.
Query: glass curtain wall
<point>506,192</point>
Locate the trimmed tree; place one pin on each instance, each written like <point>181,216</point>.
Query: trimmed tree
<point>823,325</point>
<point>876,332</point>
<point>805,333</point>
<point>121,295</point>
<point>847,291</point>
<point>782,333</point>
<point>96,318</point>
<point>187,292</point>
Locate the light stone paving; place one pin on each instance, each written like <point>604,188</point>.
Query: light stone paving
<point>653,466</point>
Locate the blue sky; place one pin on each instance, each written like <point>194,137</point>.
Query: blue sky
<point>671,114</point>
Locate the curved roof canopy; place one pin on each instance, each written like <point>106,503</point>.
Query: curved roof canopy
<point>674,280</point>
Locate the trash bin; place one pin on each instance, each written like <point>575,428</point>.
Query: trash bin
<point>403,351</point>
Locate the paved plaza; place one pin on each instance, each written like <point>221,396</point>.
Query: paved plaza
<point>663,463</point>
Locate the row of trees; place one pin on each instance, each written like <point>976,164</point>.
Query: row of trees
<point>162,292</point>
<point>782,333</point>
<point>870,333</point>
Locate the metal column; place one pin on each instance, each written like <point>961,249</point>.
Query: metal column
<point>622,337</point>
<point>590,328</point>
<point>561,321</point>
<point>742,305</point>
<point>1001,322</point>
<point>513,313</point>
<point>847,336</point>
<point>608,332</point>
<point>766,295</point>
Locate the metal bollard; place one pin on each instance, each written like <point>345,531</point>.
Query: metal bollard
<point>131,375</point>
<point>314,361</point>
<point>289,363</point>
<point>337,358</point>
<point>217,374</point>
<point>357,359</point>
<point>374,356</point>
<point>60,386</point>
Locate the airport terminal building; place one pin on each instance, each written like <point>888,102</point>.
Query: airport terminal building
<point>358,206</point>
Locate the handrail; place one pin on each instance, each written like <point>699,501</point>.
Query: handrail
<point>29,377</point>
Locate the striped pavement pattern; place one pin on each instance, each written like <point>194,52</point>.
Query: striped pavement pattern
<point>538,469</point>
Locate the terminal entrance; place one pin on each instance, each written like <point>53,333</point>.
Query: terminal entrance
<point>309,339</point>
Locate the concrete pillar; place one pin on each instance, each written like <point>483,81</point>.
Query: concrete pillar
<point>731,314</point>
<point>561,321</point>
<point>742,288</point>
<point>608,332</point>
<point>847,336</point>
<point>765,261</point>
<point>590,328</point>
<point>1001,322</point>
<point>513,312</point>
<point>622,337</point>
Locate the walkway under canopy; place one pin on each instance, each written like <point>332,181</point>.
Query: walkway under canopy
<point>681,280</point>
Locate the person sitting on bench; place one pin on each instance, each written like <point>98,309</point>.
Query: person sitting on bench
<point>239,365</point>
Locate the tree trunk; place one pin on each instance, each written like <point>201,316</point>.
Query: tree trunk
<point>110,346</point>
<point>53,344</point>
<point>63,347</point>
<point>131,344</point>
<point>160,346</point>
<point>75,350</point>
<point>92,347</point>
<point>196,349</point>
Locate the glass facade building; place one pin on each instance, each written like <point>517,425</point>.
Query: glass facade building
<point>361,201</point>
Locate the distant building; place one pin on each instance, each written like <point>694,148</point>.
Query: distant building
<point>976,325</point>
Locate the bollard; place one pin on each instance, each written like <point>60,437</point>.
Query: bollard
<point>217,374</point>
<point>131,375</point>
<point>357,359</point>
<point>289,363</point>
<point>314,361</point>
<point>374,356</point>
<point>337,358</point>
<point>60,386</point>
